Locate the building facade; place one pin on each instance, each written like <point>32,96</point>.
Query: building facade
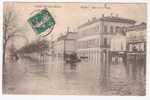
<point>136,51</point>
<point>136,38</point>
<point>99,34</point>
<point>65,45</point>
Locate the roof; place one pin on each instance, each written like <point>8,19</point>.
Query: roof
<point>118,19</point>
<point>70,33</point>
<point>109,19</point>
<point>61,38</point>
<point>65,36</point>
<point>139,26</point>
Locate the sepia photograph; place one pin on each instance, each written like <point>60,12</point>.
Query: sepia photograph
<point>74,48</point>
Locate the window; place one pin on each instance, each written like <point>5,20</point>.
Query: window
<point>117,29</point>
<point>142,46</point>
<point>111,29</point>
<point>97,28</point>
<point>125,29</point>
<point>121,46</point>
<point>97,42</point>
<point>105,28</point>
<point>105,41</point>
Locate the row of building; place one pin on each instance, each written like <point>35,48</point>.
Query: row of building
<point>116,34</point>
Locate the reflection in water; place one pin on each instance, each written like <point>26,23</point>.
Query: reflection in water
<point>69,71</point>
<point>136,68</point>
<point>57,77</point>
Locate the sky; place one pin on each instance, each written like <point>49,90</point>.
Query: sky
<point>74,14</point>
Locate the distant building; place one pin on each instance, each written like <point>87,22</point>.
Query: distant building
<point>136,38</point>
<point>136,50</point>
<point>65,45</point>
<point>99,34</point>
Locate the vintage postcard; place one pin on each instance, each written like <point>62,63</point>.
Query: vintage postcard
<point>80,48</point>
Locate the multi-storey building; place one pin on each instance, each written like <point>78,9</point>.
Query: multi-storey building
<point>136,51</point>
<point>65,45</point>
<point>136,38</point>
<point>99,34</point>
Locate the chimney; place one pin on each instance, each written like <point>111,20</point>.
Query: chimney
<point>117,15</point>
<point>103,15</point>
<point>111,14</point>
<point>68,29</point>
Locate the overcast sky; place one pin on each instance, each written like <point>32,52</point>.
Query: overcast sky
<point>75,14</point>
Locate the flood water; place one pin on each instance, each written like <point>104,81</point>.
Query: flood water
<point>55,77</point>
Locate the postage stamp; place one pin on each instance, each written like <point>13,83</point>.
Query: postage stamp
<point>42,22</point>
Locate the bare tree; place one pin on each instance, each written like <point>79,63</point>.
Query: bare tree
<point>10,26</point>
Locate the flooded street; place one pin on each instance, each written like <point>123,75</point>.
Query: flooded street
<point>56,77</point>
<point>74,48</point>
